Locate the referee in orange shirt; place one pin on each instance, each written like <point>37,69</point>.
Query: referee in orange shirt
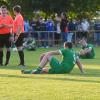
<point>6,23</point>
<point>18,29</point>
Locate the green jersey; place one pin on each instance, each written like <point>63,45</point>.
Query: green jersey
<point>67,63</point>
<point>90,54</point>
<point>69,58</point>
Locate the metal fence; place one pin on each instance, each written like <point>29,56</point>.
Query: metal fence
<point>55,39</point>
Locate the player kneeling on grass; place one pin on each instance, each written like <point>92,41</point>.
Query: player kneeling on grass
<point>67,64</point>
<point>87,51</point>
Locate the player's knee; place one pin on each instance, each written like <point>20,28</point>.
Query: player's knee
<point>45,70</point>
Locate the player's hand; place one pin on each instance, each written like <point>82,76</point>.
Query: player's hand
<point>1,25</point>
<point>4,25</point>
<point>16,37</point>
<point>82,52</point>
<point>11,39</point>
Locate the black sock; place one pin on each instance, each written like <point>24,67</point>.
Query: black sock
<point>21,55</point>
<point>7,57</point>
<point>1,57</point>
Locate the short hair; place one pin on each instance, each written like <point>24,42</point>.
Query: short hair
<point>68,44</point>
<point>17,8</point>
<point>3,6</point>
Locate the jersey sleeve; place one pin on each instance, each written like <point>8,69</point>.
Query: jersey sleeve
<point>19,21</point>
<point>61,51</point>
<point>90,46</point>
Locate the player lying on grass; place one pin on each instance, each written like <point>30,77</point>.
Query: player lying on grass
<point>65,66</point>
<point>87,51</point>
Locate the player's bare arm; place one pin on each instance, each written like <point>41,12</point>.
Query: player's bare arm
<point>79,65</point>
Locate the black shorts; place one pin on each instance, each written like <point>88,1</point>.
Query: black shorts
<point>20,40</point>
<point>5,40</point>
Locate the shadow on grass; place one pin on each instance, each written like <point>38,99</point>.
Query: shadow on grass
<point>50,78</point>
<point>15,67</point>
<point>88,73</point>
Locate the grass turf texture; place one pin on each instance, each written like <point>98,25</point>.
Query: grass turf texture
<point>74,86</point>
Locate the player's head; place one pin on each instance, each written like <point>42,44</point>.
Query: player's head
<point>4,10</point>
<point>63,15</point>
<point>16,9</point>
<point>83,42</point>
<point>68,45</point>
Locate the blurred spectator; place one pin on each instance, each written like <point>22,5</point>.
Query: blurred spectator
<point>85,27</point>
<point>78,30</point>
<point>57,26</point>
<point>63,26</point>
<point>42,35</point>
<point>33,28</point>
<point>50,28</point>
<point>26,27</point>
<point>97,33</point>
<point>33,24</point>
<point>71,29</point>
<point>58,20</point>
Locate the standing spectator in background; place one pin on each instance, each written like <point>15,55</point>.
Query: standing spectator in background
<point>79,30</point>
<point>26,27</point>
<point>18,29</point>
<point>71,29</point>
<point>33,24</point>
<point>85,28</point>
<point>63,26</point>
<point>50,28</point>
<point>57,24</point>
<point>97,33</point>
<point>58,21</point>
<point>42,36</point>
<point>6,23</point>
<point>33,27</point>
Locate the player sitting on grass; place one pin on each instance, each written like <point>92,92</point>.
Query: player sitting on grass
<point>66,66</point>
<point>87,51</point>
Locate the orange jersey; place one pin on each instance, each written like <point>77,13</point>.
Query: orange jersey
<point>19,21</point>
<point>8,21</point>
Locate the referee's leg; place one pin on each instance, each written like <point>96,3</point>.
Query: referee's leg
<point>8,49</point>
<point>8,53</point>
<point>19,45</point>
<point>1,51</point>
<point>1,56</point>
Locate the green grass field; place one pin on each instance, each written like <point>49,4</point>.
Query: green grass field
<point>73,86</point>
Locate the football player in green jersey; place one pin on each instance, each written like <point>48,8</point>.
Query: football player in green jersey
<point>65,66</point>
<point>87,51</point>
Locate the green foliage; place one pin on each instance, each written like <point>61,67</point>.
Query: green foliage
<point>83,8</point>
<point>3,2</point>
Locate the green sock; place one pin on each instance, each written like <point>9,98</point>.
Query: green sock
<point>38,70</point>
<point>26,71</point>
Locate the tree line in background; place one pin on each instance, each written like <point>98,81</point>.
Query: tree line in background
<point>74,8</point>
